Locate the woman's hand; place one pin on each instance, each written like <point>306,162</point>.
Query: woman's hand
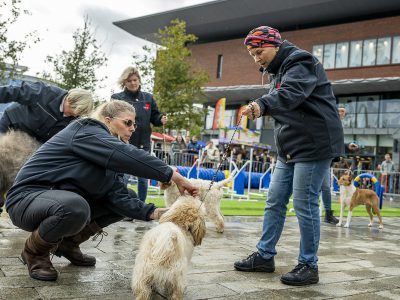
<point>184,185</point>
<point>164,119</point>
<point>157,213</point>
<point>252,111</point>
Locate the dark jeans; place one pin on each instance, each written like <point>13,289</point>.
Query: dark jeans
<point>59,213</point>
<point>142,188</point>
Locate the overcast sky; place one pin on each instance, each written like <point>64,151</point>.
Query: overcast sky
<point>56,20</point>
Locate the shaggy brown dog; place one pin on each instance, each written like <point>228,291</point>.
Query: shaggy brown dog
<point>16,147</point>
<point>352,197</point>
<point>165,251</point>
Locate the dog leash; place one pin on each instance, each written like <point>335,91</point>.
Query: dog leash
<point>225,154</point>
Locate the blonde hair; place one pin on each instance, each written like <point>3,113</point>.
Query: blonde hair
<point>80,101</point>
<point>112,109</point>
<point>128,72</point>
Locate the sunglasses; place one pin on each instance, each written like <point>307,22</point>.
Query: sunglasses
<point>128,123</point>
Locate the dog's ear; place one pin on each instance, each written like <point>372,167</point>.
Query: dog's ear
<point>198,230</point>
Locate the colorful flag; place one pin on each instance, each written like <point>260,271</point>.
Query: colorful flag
<point>219,114</point>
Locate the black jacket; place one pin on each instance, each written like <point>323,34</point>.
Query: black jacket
<point>301,101</point>
<point>146,112</point>
<point>86,159</point>
<point>36,111</point>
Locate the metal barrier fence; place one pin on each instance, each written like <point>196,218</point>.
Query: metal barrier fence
<point>389,181</point>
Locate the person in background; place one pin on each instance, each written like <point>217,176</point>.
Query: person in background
<point>73,187</point>
<point>387,167</point>
<point>308,135</point>
<point>179,144</point>
<point>326,193</point>
<point>211,155</point>
<point>193,146</point>
<point>146,113</point>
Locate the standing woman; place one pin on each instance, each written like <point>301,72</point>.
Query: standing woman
<point>73,186</point>
<point>146,113</point>
<point>308,135</point>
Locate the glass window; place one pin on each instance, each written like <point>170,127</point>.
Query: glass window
<point>349,103</point>
<point>390,111</point>
<point>219,65</point>
<point>396,50</point>
<point>342,55</point>
<point>369,52</point>
<point>385,141</point>
<point>367,111</point>
<point>329,56</point>
<point>355,53</point>
<point>210,117</point>
<point>317,51</point>
<point>229,118</point>
<point>383,51</point>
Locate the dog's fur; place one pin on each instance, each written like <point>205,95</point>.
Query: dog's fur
<point>165,251</point>
<point>211,199</point>
<point>16,147</point>
<point>352,197</point>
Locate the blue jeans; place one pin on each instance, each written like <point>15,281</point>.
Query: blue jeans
<point>304,180</point>
<point>142,188</point>
<point>326,191</point>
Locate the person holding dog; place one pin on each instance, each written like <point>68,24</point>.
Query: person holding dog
<point>41,110</point>
<point>73,187</point>
<point>308,135</point>
<point>147,113</point>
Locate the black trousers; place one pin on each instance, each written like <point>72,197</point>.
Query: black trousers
<point>58,214</point>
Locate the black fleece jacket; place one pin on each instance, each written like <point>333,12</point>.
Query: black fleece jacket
<point>86,159</point>
<point>301,101</point>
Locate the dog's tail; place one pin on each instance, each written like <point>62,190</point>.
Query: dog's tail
<point>169,247</point>
<point>221,183</point>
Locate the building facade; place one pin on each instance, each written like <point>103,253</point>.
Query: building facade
<point>358,46</point>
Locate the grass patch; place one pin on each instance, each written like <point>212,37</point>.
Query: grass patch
<point>256,208</point>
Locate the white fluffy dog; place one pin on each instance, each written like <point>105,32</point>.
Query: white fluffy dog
<point>165,252</point>
<point>211,198</point>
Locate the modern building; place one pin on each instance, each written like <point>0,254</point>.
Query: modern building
<point>358,42</point>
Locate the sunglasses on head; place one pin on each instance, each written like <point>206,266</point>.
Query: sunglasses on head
<point>128,123</point>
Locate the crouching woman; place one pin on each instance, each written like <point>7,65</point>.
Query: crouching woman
<point>72,187</point>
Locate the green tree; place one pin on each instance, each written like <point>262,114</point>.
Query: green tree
<point>77,67</point>
<point>177,83</point>
<point>11,50</point>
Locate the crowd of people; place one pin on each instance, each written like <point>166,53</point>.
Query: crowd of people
<point>75,185</point>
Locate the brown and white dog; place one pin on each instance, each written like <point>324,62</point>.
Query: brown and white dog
<point>352,197</point>
<point>211,198</point>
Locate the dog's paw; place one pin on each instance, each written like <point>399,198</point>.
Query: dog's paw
<point>339,224</point>
<point>380,226</point>
<point>346,225</point>
<point>369,224</point>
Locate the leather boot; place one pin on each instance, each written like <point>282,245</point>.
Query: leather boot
<point>330,218</point>
<point>36,255</point>
<point>69,247</point>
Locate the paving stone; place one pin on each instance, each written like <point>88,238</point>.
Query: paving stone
<point>355,263</point>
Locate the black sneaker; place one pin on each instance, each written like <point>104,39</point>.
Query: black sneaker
<point>255,263</point>
<point>302,274</point>
<point>330,218</point>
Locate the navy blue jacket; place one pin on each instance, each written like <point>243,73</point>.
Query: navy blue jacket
<point>36,111</point>
<point>301,101</point>
<point>146,112</point>
<point>86,159</point>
